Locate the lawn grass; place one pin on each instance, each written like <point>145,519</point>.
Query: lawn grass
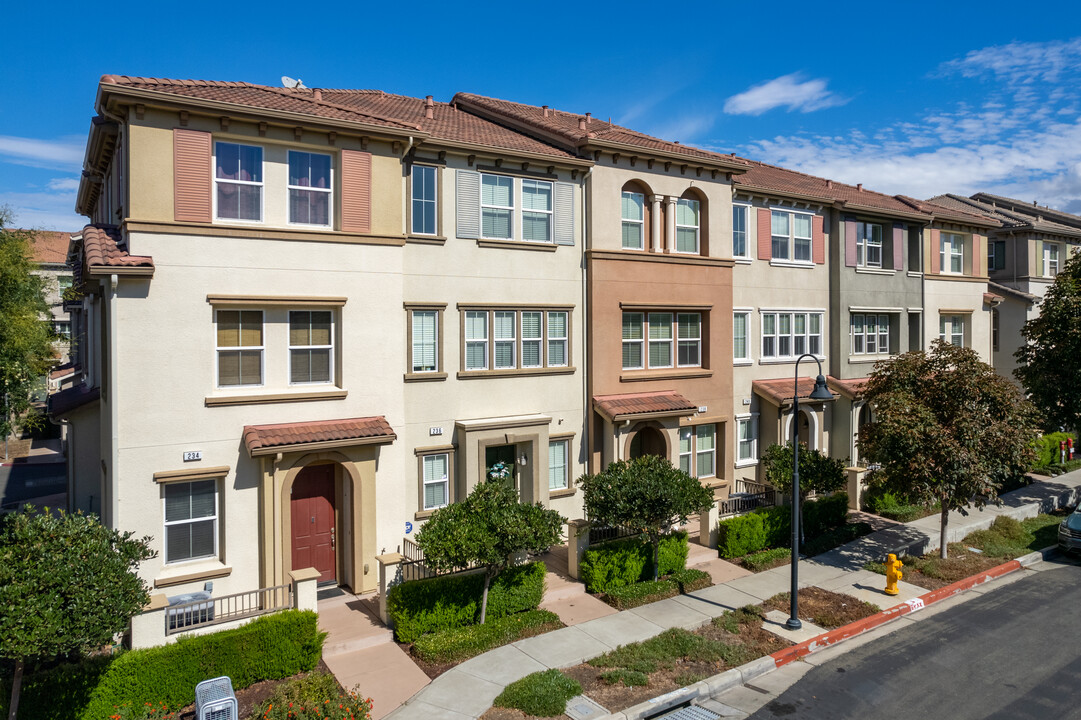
<point>542,694</point>
<point>665,650</point>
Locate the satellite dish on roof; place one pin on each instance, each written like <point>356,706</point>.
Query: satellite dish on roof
<point>291,83</point>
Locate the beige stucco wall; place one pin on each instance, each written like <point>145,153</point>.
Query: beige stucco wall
<point>942,295</point>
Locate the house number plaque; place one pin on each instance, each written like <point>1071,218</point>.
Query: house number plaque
<point>192,455</point>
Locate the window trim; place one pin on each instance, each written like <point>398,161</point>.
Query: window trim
<point>776,334</point>
<point>640,223</point>
<point>566,443</point>
<point>490,369</point>
<point>421,453</point>
<point>864,245</point>
<point>434,201</point>
<point>510,221</point>
<point>1046,260</point>
<point>261,348</point>
<point>790,256</point>
<point>290,347</point>
<point>751,420</point>
<point>878,334</point>
<point>947,252</point>
<point>217,517</point>
<point>329,225</point>
<point>261,184</point>
<point>746,212</point>
<point>672,341</point>
<point>411,372</point>
<point>551,212</point>
<point>942,334</point>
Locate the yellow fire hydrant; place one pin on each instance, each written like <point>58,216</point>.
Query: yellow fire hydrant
<point>893,574</point>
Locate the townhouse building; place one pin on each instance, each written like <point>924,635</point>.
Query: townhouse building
<point>50,252</point>
<point>365,302</point>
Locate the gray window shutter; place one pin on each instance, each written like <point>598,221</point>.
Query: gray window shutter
<point>564,214</point>
<point>467,201</point>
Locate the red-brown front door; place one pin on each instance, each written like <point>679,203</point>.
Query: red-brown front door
<point>312,509</point>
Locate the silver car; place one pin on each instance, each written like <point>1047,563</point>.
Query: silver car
<point>1069,532</point>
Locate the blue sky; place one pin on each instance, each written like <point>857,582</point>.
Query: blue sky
<point>914,98</point>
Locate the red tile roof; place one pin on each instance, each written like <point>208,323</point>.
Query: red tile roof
<point>1008,217</point>
<point>264,439</point>
<point>941,212</point>
<point>1033,210</point>
<point>852,389</point>
<point>663,403</point>
<point>779,391</point>
<point>60,371</point>
<point>64,402</point>
<point>105,250</point>
<point>50,246</point>
<point>1006,290</point>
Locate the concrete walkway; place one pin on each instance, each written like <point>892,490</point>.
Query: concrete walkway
<point>467,691</point>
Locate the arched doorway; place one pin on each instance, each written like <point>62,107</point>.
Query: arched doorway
<point>804,431</point>
<point>312,515</point>
<point>648,441</point>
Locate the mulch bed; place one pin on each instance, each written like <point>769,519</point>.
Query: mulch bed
<point>824,608</point>
<point>961,563</point>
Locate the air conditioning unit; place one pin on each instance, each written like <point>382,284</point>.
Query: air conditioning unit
<point>215,700</point>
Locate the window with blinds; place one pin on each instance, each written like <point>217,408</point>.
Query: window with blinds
<point>526,339</point>
<point>191,521</point>
<point>436,482</point>
<point>476,340</point>
<point>536,211</point>
<point>741,322</point>
<point>674,340</point>
<point>238,178</point>
<point>424,200</point>
<point>425,338</point>
<point>633,214</point>
<point>311,347</point>
<point>558,475</point>
<point>240,347</point>
<point>310,194</point>
<point>739,231</point>
<point>687,225</point>
<point>496,207</point>
<point>698,450</point>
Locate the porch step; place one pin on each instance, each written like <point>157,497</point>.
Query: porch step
<point>560,588</point>
<point>352,623</point>
<point>341,645</point>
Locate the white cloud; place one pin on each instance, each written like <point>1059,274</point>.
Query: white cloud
<point>1019,62</point>
<point>786,91</point>
<point>62,184</point>
<point>62,154</point>
<point>682,129</point>
<point>43,210</point>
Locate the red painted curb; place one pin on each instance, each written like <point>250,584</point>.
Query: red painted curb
<point>831,637</point>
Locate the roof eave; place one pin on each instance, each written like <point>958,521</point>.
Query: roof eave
<point>856,207</point>
<point>476,148</point>
<point>326,444</point>
<point>719,163</point>
<point>773,192</point>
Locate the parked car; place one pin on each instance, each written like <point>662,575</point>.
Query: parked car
<point>1069,532</point>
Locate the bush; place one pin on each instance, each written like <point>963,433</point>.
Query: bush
<point>765,559</point>
<point>892,506</point>
<point>690,579</point>
<point>624,562</point>
<point>460,643</point>
<point>542,694</point>
<point>629,596</point>
<point>313,697</point>
<point>772,527</point>
<point>741,535</point>
<point>268,648</point>
<point>423,606</point>
<point>1047,452</point>
<point>824,514</point>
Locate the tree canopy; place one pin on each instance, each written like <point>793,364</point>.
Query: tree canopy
<point>947,429</point>
<point>488,529</point>
<point>1050,359</point>
<point>647,494</point>
<point>26,351</point>
<point>67,585</point>
<point>818,472</point>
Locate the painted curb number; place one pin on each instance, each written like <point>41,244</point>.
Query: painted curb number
<point>914,604</point>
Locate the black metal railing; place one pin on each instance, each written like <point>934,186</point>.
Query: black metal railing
<point>740,503</point>
<point>415,568</point>
<point>606,533</point>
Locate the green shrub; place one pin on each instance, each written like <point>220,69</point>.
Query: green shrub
<point>460,643</point>
<point>542,694</point>
<point>629,596</point>
<point>772,527</point>
<point>765,559</point>
<point>824,514</point>
<point>423,606</point>
<point>741,535</point>
<point>312,697</point>
<point>894,507</point>
<point>690,579</point>
<point>1047,451</point>
<point>268,648</point>
<point>629,678</point>
<point>624,562</point>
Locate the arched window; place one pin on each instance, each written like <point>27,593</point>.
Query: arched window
<point>691,226</point>
<point>635,215</point>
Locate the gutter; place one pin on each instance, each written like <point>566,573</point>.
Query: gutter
<point>114,393</point>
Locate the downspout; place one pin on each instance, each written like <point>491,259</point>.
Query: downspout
<point>586,359</point>
<point>114,416</point>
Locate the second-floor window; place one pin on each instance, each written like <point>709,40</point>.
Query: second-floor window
<point>996,255</point>
<point>787,335</point>
<point>952,253</point>
<point>496,206</point>
<point>868,245</point>
<point>741,323</point>
<point>424,200</point>
<point>633,214</point>
<point>519,340</point>
<point>687,225</point>
<point>425,336</point>
<point>951,329</point>
<point>870,334</point>
<point>746,440</point>
<point>238,180</point>
<point>739,231</point>
<point>311,347</point>
<point>536,211</point>
<point>435,482</point>
<point>791,236</point>
<point>240,347</point>
<point>558,477</point>
<point>663,331</point>
<point>1050,260</point>
<point>310,200</point>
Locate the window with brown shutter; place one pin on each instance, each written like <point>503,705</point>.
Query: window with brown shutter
<point>191,175</point>
<point>356,191</point>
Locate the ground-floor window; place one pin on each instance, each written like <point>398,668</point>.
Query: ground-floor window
<point>191,520</point>
<point>558,471</point>
<point>436,480</point>
<point>698,450</point>
<point>747,440</point>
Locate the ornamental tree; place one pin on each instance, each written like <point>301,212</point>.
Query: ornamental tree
<point>818,472</point>
<point>947,429</point>
<point>67,586</point>
<point>647,494</point>
<point>1049,358</point>
<point>488,529</point>
<point>26,351</point>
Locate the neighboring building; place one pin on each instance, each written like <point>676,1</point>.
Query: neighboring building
<point>50,250</point>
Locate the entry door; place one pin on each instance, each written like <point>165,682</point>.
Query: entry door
<point>501,453</point>
<point>312,509</point>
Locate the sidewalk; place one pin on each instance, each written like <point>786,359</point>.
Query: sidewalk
<point>468,690</point>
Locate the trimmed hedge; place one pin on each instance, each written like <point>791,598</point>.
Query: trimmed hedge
<point>691,579</point>
<point>765,559</point>
<point>1047,451</point>
<point>630,596</point>
<point>423,606</point>
<point>772,527</point>
<point>268,648</point>
<point>542,694</point>
<point>465,642</point>
<point>624,562</point>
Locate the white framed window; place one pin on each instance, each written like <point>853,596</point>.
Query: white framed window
<point>503,333</point>
<point>532,338</point>
<point>688,225</point>
<point>1050,260</point>
<point>62,328</point>
<point>425,330</point>
<point>239,347</point>
<point>951,329</point>
<point>739,231</point>
<point>191,520</point>
<point>436,481</point>
<point>660,340</point>
<point>476,340</point>
<point>310,195</point>
<point>688,340</point>
<point>557,339</point>
<point>558,470</point>
<point>741,325</point>
<point>633,340</point>
<point>238,181</point>
<point>698,450</point>
<point>791,235</point>
<point>870,334</point>
<point>633,215</point>
<point>311,347</point>
<point>63,284</point>
<point>746,440</point>
<point>868,245</point>
<point>787,335</point>
<point>424,194</point>
<point>496,206</point>
<point>537,211</point>
<point>952,253</point>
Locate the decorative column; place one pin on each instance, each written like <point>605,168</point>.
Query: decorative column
<point>655,221</point>
<point>389,576</point>
<point>670,222</point>
<point>855,486</point>
<point>577,544</point>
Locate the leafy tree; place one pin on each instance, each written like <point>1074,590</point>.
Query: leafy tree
<point>67,586</point>
<point>947,428</point>
<point>488,529</point>
<point>647,494</point>
<point>1049,358</point>
<point>818,472</point>
<point>26,351</point>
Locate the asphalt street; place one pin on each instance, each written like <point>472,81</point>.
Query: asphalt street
<point>30,480</point>
<point>1010,654</point>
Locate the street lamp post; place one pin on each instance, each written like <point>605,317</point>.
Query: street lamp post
<point>820,392</point>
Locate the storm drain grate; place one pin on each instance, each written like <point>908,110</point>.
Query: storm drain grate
<point>689,712</point>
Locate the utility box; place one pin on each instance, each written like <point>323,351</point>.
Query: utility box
<point>215,700</point>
